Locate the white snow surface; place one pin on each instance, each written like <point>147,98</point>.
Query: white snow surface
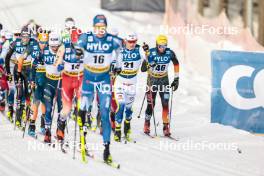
<point>148,157</point>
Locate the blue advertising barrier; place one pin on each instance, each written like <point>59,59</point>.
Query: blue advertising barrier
<point>237,97</point>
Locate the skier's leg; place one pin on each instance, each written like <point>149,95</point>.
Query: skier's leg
<point>104,99</point>
<point>151,96</point>
<point>38,99</point>
<point>164,96</point>
<point>87,96</point>
<point>120,101</point>
<point>130,97</point>
<point>49,93</point>
<point>19,97</point>
<point>67,92</point>
<point>113,107</point>
<point>86,100</point>
<point>10,102</point>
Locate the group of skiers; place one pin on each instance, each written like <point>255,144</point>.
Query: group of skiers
<point>72,68</point>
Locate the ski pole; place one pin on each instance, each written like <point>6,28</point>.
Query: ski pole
<point>28,113</point>
<point>75,129</point>
<point>171,106</point>
<point>142,106</point>
<point>152,106</point>
<point>76,117</point>
<point>66,126</point>
<point>18,102</point>
<point>54,102</point>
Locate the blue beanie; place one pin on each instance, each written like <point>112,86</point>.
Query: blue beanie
<point>99,19</point>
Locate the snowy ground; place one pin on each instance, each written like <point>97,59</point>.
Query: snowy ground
<point>148,157</point>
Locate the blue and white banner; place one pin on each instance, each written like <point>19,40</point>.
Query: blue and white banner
<point>238,90</point>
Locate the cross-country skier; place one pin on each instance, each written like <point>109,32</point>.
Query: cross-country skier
<point>99,50</point>
<point>72,58</point>
<point>70,32</point>
<point>158,81</point>
<point>128,64</point>
<point>38,83</point>
<point>7,40</point>
<point>16,34</point>
<point>3,87</point>
<point>52,86</point>
<point>115,33</point>
<point>23,49</point>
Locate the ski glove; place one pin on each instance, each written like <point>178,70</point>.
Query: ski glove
<point>145,47</point>
<point>79,52</point>
<point>175,84</point>
<point>60,67</point>
<point>117,71</point>
<point>9,77</point>
<point>152,65</point>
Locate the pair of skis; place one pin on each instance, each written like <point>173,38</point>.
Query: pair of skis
<point>155,137</point>
<point>83,151</point>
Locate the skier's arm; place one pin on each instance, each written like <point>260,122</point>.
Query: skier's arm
<point>34,66</point>
<point>21,59</point>
<point>117,63</point>
<point>175,83</point>
<point>8,57</point>
<point>144,66</point>
<point>60,55</point>
<point>117,57</point>
<point>5,49</point>
<point>175,64</point>
<point>143,57</point>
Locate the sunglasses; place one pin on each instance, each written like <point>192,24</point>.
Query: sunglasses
<point>17,35</point>
<point>100,27</point>
<point>132,41</point>
<point>41,42</point>
<point>162,46</point>
<point>25,36</point>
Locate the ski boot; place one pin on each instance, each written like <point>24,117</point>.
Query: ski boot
<point>18,118</point>
<point>74,112</point>
<point>127,130</point>
<point>107,156</point>
<point>31,128</point>
<point>24,114</point>
<point>166,129</point>
<point>117,136</point>
<point>42,124</point>
<point>47,138</point>
<point>60,129</point>
<point>10,113</point>
<point>88,122</point>
<point>147,127</point>
<point>93,124</point>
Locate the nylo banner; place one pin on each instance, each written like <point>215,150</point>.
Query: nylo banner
<point>238,90</point>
